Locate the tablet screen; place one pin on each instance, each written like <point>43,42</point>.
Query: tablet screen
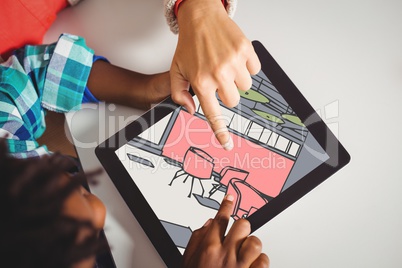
<point>183,172</point>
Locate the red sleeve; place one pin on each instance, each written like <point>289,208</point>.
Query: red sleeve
<point>26,22</point>
<point>178,2</point>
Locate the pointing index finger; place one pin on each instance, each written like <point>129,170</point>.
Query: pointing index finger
<point>212,111</point>
<point>221,220</point>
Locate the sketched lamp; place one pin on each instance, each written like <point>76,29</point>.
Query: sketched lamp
<point>197,164</point>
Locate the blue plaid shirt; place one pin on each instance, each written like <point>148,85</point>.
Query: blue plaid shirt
<point>42,77</point>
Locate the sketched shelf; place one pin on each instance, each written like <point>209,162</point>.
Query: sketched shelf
<point>268,116</point>
<point>253,95</point>
<point>294,119</point>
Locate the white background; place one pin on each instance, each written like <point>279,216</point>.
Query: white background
<point>345,55</point>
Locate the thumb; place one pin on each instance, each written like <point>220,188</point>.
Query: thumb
<point>180,91</point>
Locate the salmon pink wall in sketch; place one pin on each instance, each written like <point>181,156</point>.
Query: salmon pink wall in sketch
<point>268,170</point>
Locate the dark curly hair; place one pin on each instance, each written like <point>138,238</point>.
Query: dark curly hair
<point>33,230</point>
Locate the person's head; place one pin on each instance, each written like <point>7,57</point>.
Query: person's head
<point>48,219</point>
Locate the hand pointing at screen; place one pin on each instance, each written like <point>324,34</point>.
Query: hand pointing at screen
<point>214,57</point>
<point>209,247</point>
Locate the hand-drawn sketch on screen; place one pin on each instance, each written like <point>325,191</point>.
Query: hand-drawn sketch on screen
<point>184,173</point>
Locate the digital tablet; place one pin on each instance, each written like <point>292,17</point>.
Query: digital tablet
<point>173,174</point>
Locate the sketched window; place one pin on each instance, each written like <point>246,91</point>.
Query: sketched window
<point>266,134</point>
<point>240,124</point>
<point>294,148</point>
<point>255,131</point>
<point>198,108</point>
<point>282,143</point>
<point>272,139</point>
<point>227,115</point>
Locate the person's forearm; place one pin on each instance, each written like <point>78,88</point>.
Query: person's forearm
<point>172,7</point>
<point>179,2</point>
<point>192,10</point>
<point>121,86</point>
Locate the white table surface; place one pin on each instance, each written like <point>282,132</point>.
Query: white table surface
<point>345,56</point>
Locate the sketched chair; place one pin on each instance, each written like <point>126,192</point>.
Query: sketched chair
<point>227,173</point>
<point>197,164</point>
<point>247,198</point>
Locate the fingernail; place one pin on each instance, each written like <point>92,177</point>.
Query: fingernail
<point>229,197</point>
<point>207,223</point>
<point>228,145</point>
